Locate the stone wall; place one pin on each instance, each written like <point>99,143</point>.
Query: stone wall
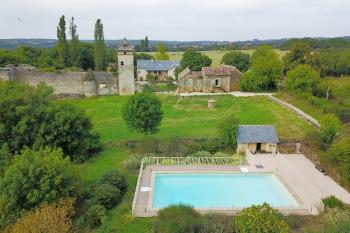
<point>64,83</point>
<point>126,72</point>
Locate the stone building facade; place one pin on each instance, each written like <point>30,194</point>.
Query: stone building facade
<point>126,69</point>
<point>223,78</point>
<point>163,69</point>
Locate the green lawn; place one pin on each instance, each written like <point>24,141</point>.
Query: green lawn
<point>184,118</point>
<point>216,56</point>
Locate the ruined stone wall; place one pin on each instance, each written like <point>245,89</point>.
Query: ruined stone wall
<point>64,83</point>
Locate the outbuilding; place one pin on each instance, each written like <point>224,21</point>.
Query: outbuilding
<point>257,139</point>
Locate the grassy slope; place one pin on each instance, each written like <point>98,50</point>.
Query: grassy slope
<point>216,56</point>
<point>183,118</point>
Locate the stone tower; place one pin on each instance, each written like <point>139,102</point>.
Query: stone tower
<point>126,69</point>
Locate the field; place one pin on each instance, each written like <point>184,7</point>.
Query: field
<point>216,56</point>
<point>184,118</point>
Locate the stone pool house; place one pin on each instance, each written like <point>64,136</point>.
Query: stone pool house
<point>160,68</point>
<point>223,78</point>
<point>257,139</point>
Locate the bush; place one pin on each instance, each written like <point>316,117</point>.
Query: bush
<point>216,223</point>
<point>172,147</point>
<point>33,178</point>
<point>295,221</point>
<point>332,202</point>
<point>115,178</point>
<point>177,219</point>
<point>303,78</point>
<point>227,131</point>
<point>95,215</point>
<point>142,113</point>
<point>133,163</point>
<point>106,195</point>
<point>201,154</point>
<point>148,145</point>
<point>260,218</point>
<point>333,217</point>
<point>330,127</point>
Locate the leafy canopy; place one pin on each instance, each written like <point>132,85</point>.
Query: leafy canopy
<point>194,60</point>
<point>330,127</point>
<point>238,59</point>
<point>142,113</point>
<point>228,130</point>
<point>303,78</point>
<point>35,177</point>
<point>260,218</point>
<point>161,53</point>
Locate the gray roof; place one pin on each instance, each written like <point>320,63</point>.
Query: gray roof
<point>257,134</point>
<point>159,65</point>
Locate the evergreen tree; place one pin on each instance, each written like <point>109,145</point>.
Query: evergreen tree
<point>146,44</point>
<point>74,44</point>
<point>62,44</point>
<point>100,47</point>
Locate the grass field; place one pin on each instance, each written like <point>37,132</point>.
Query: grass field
<point>216,56</point>
<point>184,118</point>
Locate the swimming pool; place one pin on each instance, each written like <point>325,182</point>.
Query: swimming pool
<point>226,190</point>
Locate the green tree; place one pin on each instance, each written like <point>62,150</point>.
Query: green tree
<point>302,77</point>
<point>62,44</point>
<point>161,53</point>
<point>177,219</point>
<point>298,55</point>
<point>330,127</point>
<point>260,218</point>
<point>146,44</point>
<point>265,71</point>
<point>100,47</point>
<point>142,113</point>
<point>35,177</point>
<point>30,119</point>
<point>238,59</point>
<point>194,60</point>
<point>228,130</point>
<point>74,44</point>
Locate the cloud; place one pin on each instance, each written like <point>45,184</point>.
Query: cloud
<point>178,19</point>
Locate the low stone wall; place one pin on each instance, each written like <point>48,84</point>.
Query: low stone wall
<point>64,83</point>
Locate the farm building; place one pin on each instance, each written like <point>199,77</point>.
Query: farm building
<point>223,78</point>
<point>257,139</point>
<point>161,68</point>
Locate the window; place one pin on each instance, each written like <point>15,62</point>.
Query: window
<point>217,82</point>
<point>124,53</point>
<point>190,83</point>
<point>122,63</point>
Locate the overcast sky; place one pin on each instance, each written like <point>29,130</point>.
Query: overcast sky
<point>179,19</point>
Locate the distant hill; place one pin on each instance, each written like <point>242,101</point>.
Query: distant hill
<point>280,43</point>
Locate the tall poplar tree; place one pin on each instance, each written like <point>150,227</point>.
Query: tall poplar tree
<point>74,44</point>
<point>146,44</point>
<point>62,44</point>
<point>100,47</point>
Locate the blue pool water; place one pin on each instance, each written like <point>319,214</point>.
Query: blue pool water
<point>220,190</point>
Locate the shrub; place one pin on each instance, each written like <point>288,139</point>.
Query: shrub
<point>201,154</point>
<point>177,219</point>
<point>172,147</point>
<point>106,195</point>
<point>133,163</point>
<point>115,178</point>
<point>333,217</point>
<point>211,144</point>
<point>148,145</point>
<point>332,202</point>
<point>330,127</point>
<point>303,77</point>
<point>142,113</point>
<point>95,215</point>
<point>260,218</point>
<point>47,218</point>
<point>216,223</point>
<point>295,221</point>
<point>33,178</point>
<point>227,131</point>
<point>220,154</point>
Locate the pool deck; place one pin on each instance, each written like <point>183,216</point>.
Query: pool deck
<point>296,172</point>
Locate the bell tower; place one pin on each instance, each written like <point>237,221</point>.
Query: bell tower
<point>126,69</point>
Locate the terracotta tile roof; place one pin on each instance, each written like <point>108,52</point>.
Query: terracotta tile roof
<point>221,70</point>
<point>187,72</point>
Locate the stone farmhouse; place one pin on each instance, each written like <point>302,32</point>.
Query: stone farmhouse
<point>223,78</point>
<point>257,138</point>
<point>161,68</point>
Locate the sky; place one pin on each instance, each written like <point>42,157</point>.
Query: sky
<point>220,20</point>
